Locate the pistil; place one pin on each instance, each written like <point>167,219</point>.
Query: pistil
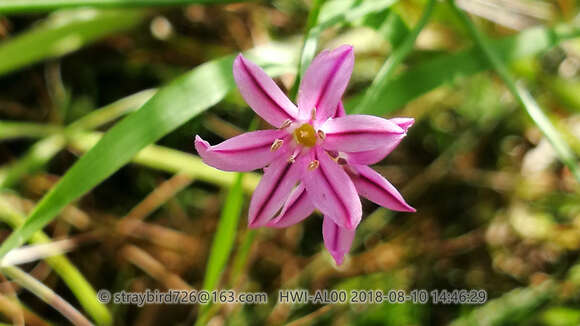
<point>305,135</point>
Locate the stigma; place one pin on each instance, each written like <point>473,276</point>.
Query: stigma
<point>305,135</point>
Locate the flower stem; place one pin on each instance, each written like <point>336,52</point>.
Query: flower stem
<point>399,54</point>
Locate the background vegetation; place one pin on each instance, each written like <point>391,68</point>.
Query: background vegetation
<point>100,101</point>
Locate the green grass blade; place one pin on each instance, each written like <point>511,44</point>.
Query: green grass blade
<point>73,278</point>
<point>44,150</point>
<point>521,94</point>
<point>373,93</point>
<point>446,68</point>
<point>174,161</point>
<point>45,294</point>
<point>169,108</point>
<point>38,155</point>
<point>63,33</point>
<point>19,6</point>
<point>223,241</point>
<point>11,130</point>
<point>510,307</point>
<point>393,28</point>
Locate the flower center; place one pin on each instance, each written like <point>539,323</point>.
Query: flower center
<point>305,135</point>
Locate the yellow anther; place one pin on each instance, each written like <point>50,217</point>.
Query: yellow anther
<point>286,124</point>
<point>313,165</point>
<point>276,145</point>
<point>305,135</point>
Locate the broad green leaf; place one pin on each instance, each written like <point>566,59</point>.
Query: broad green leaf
<point>63,33</point>
<point>169,108</point>
<point>17,6</point>
<point>396,57</point>
<point>44,150</point>
<point>446,68</point>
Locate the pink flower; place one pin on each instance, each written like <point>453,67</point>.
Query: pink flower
<point>317,157</point>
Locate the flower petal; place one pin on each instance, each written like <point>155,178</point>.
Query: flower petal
<point>262,94</point>
<point>375,187</point>
<point>355,133</point>
<point>279,179</point>
<point>297,208</point>
<point>233,154</point>
<point>336,239</point>
<point>340,112</point>
<point>332,191</point>
<point>324,82</point>
<point>374,156</point>
<point>403,122</point>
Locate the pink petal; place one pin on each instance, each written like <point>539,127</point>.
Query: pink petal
<point>402,122</point>
<point>340,112</point>
<point>297,208</point>
<point>336,239</point>
<point>325,81</point>
<point>375,187</point>
<point>233,154</point>
<point>355,133</point>
<point>332,191</point>
<point>262,94</point>
<point>279,179</point>
<point>374,156</point>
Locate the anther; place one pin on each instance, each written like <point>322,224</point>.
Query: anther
<point>292,159</point>
<point>313,165</point>
<point>313,114</point>
<point>276,145</point>
<point>321,134</point>
<point>286,124</point>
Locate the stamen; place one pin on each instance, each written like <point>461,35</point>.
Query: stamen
<point>286,124</point>
<point>321,134</point>
<point>313,114</point>
<point>313,165</point>
<point>292,159</point>
<point>333,154</point>
<point>276,145</point>
<point>341,161</point>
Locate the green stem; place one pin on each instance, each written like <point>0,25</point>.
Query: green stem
<point>19,6</point>
<point>522,96</point>
<point>44,293</point>
<point>311,22</point>
<point>311,38</point>
<point>388,69</point>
